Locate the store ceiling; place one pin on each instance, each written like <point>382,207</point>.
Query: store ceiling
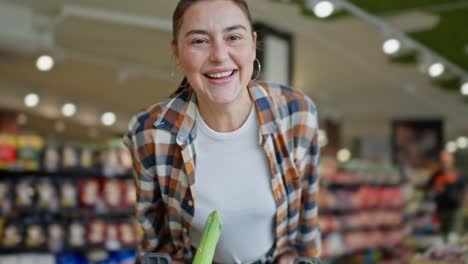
<point>115,56</point>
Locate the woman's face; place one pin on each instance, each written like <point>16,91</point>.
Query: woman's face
<point>216,49</point>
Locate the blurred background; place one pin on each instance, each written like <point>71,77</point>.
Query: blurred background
<point>389,78</point>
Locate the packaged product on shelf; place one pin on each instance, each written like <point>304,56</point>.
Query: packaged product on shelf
<point>111,165</point>
<point>89,190</point>
<point>127,234</point>
<point>112,193</point>
<point>29,152</point>
<point>86,159</point>
<point>12,235</point>
<point>8,151</point>
<point>129,194</point>
<point>5,197</point>
<point>116,159</point>
<point>76,235</point>
<point>35,235</point>
<point>55,237</point>
<point>24,194</point>
<point>96,233</point>
<point>51,158</point>
<point>112,235</point>
<point>70,157</point>
<point>47,195</point>
<point>68,194</point>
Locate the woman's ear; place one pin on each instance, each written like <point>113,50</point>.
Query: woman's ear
<point>254,40</point>
<point>175,52</point>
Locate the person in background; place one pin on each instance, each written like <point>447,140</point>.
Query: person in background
<point>447,188</point>
<point>224,141</point>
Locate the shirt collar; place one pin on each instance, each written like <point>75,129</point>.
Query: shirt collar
<point>179,111</point>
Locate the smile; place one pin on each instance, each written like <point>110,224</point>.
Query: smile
<point>220,75</point>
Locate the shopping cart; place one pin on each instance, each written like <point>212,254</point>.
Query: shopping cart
<point>163,258</point>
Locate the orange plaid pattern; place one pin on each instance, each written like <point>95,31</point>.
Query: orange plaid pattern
<point>161,138</point>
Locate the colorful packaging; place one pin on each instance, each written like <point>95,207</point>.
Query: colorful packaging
<point>24,194</point>
<point>129,194</point>
<point>76,235</point>
<point>5,197</point>
<point>8,151</point>
<point>29,152</point>
<point>47,195</point>
<point>35,236</point>
<point>51,158</point>
<point>89,190</point>
<point>96,233</point>
<point>12,235</point>
<point>68,195</point>
<point>55,237</point>
<point>70,157</point>
<point>112,193</point>
<point>112,236</point>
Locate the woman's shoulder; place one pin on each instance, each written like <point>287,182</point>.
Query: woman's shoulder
<point>147,117</point>
<point>285,95</point>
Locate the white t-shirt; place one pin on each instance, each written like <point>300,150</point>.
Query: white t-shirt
<point>232,176</point>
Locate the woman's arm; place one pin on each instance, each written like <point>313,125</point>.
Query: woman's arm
<point>150,211</point>
<point>308,239</point>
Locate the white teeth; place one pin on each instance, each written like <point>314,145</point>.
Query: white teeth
<point>220,74</point>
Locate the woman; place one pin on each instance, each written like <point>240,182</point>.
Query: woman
<point>228,143</point>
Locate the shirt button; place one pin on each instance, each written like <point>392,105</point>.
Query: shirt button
<point>190,203</point>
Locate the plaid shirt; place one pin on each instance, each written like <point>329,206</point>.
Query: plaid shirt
<point>161,141</point>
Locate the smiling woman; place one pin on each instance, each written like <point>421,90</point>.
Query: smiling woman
<point>224,142</point>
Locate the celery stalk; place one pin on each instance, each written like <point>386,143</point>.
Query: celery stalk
<point>209,239</point>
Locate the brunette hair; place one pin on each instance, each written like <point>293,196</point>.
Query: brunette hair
<point>184,5</point>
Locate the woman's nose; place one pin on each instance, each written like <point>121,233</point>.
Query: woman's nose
<point>219,51</point>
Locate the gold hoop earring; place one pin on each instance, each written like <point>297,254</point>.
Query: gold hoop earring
<point>259,68</point>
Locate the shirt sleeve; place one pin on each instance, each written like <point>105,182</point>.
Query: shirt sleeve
<point>149,208</point>
<point>309,237</point>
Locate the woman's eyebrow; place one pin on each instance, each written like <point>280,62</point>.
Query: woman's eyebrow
<point>205,32</point>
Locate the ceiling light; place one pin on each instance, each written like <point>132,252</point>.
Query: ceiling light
<point>464,89</point>
<point>451,146</point>
<point>343,155</point>
<point>68,109</point>
<point>436,69</point>
<point>323,9</point>
<point>462,142</point>
<point>391,46</point>
<point>45,63</point>
<point>31,100</point>
<point>108,119</point>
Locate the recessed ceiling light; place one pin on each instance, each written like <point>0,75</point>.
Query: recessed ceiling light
<point>464,89</point>
<point>108,119</point>
<point>68,109</point>
<point>436,69</point>
<point>391,46</point>
<point>45,63</point>
<point>31,100</point>
<point>324,9</point>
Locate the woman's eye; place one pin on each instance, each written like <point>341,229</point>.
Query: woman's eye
<point>234,37</point>
<point>199,41</point>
